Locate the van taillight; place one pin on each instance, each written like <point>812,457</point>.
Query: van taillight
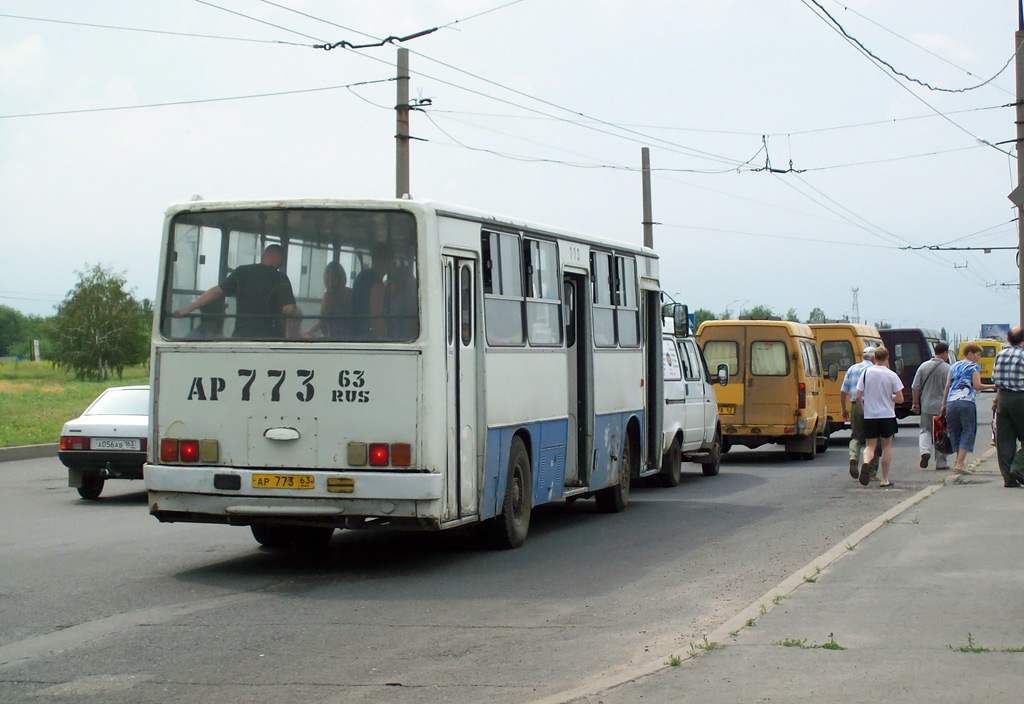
<point>802,396</point>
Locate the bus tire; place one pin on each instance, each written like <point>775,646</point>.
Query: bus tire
<point>713,464</point>
<point>92,486</point>
<point>508,529</point>
<point>823,439</point>
<point>271,536</point>
<point>672,466</point>
<point>615,498</point>
<point>310,537</point>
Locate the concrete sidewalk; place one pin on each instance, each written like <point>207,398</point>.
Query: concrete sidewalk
<point>942,571</point>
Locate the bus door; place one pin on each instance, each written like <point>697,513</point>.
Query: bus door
<point>461,362</point>
<point>654,412</point>
<point>578,453</point>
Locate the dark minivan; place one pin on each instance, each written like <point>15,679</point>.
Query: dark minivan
<point>908,348</point>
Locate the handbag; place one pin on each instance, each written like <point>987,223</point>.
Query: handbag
<point>940,436</point>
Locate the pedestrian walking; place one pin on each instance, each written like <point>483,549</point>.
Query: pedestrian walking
<point>927,391</point>
<point>959,407</point>
<point>1008,405</point>
<point>879,390</point>
<point>855,413</point>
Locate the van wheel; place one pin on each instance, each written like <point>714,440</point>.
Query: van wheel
<point>672,465</point>
<point>713,463</point>
<point>508,529</point>
<point>92,487</point>
<point>821,441</point>
<point>614,498</point>
<point>812,453</point>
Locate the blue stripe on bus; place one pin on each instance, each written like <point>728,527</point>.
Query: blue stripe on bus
<point>547,446</point>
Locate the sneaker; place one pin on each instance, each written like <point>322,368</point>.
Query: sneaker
<point>942,468</point>
<point>865,474</point>
<point>854,469</point>
<point>1016,475</point>
<point>924,460</point>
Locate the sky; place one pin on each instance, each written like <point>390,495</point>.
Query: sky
<point>538,109</point>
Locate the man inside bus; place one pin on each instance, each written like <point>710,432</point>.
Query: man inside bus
<point>264,296</point>
<point>369,296</point>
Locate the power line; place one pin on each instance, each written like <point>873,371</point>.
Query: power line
<point>256,19</point>
<point>849,37</point>
<point>776,237</point>
<point>153,31</point>
<point>196,101</point>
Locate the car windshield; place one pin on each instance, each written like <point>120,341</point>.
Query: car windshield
<point>303,274</point>
<point>121,402</point>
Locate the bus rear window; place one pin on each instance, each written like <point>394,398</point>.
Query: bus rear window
<point>769,358</point>
<point>297,274</point>
<point>726,352</point>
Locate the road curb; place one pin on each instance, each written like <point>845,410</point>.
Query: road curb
<point>27,452</point>
<point>749,615</point>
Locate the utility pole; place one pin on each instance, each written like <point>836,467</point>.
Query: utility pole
<point>402,128</point>
<point>1018,41</point>
<point>645,163</point>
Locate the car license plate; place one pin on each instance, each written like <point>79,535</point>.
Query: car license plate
<point>282,481</point>
<point>727,410</point>
<point>115,443</point>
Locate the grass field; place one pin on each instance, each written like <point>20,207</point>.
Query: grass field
<point>36,399</point>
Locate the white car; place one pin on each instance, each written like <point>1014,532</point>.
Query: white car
<point>691,427</point>
<point>108,441</point>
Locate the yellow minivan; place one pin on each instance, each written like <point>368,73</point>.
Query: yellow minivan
<point>775,392</point>
<point>989,349</point>
<point>841,344</point>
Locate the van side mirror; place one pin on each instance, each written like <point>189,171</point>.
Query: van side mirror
<point>680,315</point>
<point>723,374</point>
<point>833,371</point>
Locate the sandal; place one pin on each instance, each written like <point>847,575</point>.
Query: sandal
<point>885,486</point>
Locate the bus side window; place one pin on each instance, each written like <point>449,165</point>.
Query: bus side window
<point>466,305</point>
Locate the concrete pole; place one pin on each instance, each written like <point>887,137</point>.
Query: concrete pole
<point>645,161</point>
<point>1018,43</point>
<point>402,129</point>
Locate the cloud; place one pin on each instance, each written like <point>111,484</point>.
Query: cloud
<point>24,63</point>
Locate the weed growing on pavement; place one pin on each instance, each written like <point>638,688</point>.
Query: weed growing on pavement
<point>674,661</point>
<point>810,578</point>
<point>887,521</point>
<point>762,610</point>
<point>851,546</point>
<point>916,520</point>
<point>973,647</point>
<point>777,599</point>
<point>817,570</point>
<point>751,622</point>
<point>802,643</point>
<point>705,646</point>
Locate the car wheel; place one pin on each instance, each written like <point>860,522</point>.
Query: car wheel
<point>672,465</point>
<point>92,487</point>
<point>713,463</point>
<point>615,498</point>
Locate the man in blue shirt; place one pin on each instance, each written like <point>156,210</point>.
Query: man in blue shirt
<point>1008,405</point>
<point>855,414</point>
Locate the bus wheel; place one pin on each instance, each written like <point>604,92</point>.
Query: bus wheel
<point>508,529</point>
<point>713,463</point>
<point>310,537</point>
<point>672,465</point>
<point>614,498</point>
<point>271,536</point>
<point>92,487</point>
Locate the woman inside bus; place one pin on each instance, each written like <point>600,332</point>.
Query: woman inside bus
<point>335,306</point>
<point>959,406</point>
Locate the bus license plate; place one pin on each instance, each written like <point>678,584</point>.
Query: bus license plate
<point>282,481</point>
<point>727,410</point>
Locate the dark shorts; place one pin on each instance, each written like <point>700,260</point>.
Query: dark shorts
<point>879,427</point>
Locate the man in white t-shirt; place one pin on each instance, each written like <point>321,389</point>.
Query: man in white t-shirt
<point>879,389</point>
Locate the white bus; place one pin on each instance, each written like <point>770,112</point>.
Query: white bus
<point>461,368</point>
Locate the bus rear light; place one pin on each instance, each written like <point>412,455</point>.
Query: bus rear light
<point>378,454</point>
<point>168,449</point>
<point>357,454</point>
<point>401,454</point>
<point>189,450</point>
<point>73,442</point>
<point>209,451</point>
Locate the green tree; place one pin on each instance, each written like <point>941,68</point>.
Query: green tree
<point>791,316</point>
<point>100,328</point>
<point>758,312</point>
<point>817,315</point>
<point>700,315</point>
<point>12,328</point>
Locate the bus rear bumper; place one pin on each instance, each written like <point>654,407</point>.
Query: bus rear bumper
<point>188,494</point>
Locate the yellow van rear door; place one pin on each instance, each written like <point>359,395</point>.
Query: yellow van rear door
<point>771,386</point>
<point>730,396</point>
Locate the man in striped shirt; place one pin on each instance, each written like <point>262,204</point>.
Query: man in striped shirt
<point>1008,405</point>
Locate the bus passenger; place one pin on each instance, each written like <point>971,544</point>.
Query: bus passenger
<point>335,306</point>
<point>368,296</point>
<point>264,296</point>
<point>401,304</point>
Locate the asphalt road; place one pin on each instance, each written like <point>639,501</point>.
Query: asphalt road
<point>102,603</point>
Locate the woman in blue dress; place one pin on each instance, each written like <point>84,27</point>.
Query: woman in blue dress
<point>959,407</point>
